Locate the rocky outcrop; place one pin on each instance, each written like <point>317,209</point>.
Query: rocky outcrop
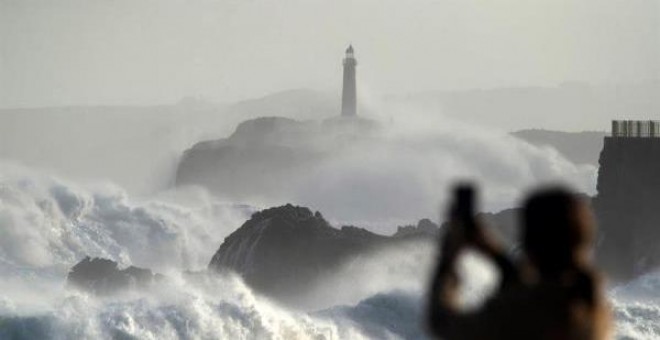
<point>103,277</point>
<point>282,251</point>
<point>267,156</point>
<point>424,228</point>
<point>628,206</point>
<point>257,159</point>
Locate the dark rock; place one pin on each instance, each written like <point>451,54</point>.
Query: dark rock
<point>424,228</point>
<point>103,277</point>
<point>281,251</point>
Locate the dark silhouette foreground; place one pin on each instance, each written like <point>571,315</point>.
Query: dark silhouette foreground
<point>554,292</point>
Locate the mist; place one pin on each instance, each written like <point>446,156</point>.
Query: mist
<point>175,232</point>
<point>389,170</point>
<point>151,133</point>
<point>76,52</point>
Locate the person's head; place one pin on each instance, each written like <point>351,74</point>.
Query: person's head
<point>557,230</point>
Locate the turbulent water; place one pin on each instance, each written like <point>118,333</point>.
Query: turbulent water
<point>47,225</point>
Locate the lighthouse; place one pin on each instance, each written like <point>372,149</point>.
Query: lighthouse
<point>349,95</point>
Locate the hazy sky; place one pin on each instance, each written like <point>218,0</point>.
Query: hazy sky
<point>158,51</point>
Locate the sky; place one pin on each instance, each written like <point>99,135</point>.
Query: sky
<point>145,52</point>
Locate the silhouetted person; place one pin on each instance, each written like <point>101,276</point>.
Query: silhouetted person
<point>553,293</point>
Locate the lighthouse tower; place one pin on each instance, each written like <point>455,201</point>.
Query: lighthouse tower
<point>349,95</point>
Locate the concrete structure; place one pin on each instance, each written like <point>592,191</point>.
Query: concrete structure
<point>628,202</point>
<point>636,128</point>
<point>349,93</point>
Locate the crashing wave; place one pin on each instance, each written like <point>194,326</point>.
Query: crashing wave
<point>48,224</point>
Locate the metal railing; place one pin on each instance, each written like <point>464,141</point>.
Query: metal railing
<point>636,128</point>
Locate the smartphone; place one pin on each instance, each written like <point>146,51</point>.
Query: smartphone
<point>464,202</point>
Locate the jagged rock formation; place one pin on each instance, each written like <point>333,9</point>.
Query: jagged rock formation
<point>628,206</point>
<point>424,227</point>
<point>282,251</point>
<point>103,277</point>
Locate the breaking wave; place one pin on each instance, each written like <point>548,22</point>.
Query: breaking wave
<point>48,224</point>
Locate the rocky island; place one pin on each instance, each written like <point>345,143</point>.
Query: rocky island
<point>282,251</point>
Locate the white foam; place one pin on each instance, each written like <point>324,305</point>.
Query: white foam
<point>48,224</point>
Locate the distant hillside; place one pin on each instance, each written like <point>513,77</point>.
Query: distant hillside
<point>97,142</point>
<point>578,147</point>
<point>572,106</point>
<point>299,103</point>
